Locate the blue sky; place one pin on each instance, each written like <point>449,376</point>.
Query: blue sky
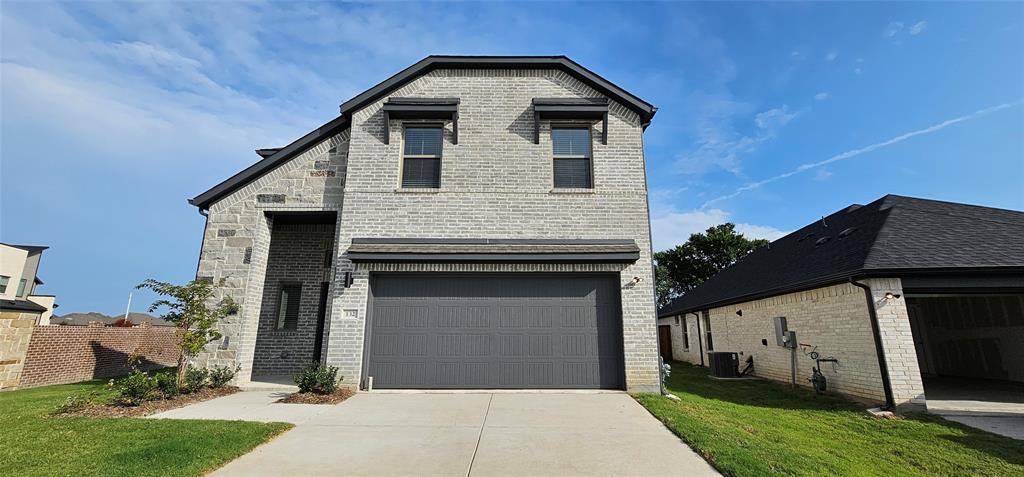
<point>771,115</point>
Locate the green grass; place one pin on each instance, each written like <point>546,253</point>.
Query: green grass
<point>33,443</point>
<point>759,428</point>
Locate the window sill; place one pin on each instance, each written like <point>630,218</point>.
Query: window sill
<point>571,191</point>
<point>416,190</point>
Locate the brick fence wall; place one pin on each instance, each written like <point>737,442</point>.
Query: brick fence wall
<point>70,354</point>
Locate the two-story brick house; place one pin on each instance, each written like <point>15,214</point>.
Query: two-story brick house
<point>470,222</point>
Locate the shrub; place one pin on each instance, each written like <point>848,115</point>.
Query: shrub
<point>136,388</point>
<point>195,379</point>
<point>167,383</point>
<point>317,378</point>
<point>78,402</point>
<point>221,375</point>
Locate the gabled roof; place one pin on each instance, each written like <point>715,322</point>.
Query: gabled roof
<point>891,236</point>
<point>27,248</point>
<point>644,109</point>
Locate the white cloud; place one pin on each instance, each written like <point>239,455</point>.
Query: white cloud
<point>822,96</point>
<point>832,55</point>
<point>892,29</point>
<point>671,228</point>
<point>823,175</point>
<point>919,27</point>
<point>720,144</point>
<point>858,71</point>
<point>774,118</point>
<point>866,149</point>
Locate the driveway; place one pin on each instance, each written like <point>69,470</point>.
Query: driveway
<point>457,434</point>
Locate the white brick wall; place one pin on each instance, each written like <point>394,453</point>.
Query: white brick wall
<point>494,184</point>
<point>836,320</point>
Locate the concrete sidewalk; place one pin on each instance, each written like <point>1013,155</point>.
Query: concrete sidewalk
<point>478,434</point>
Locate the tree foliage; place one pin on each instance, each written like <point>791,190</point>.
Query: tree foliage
<point>195,311</point>
<point>686,266</point>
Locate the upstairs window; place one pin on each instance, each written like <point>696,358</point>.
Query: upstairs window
<point>288,306</point>
<point>21,288</point>
<point>421,157</point>
<point>4,280</point>
<point>571,148</point>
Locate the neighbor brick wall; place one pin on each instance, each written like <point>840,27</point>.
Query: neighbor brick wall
<point>70,354</point>
<point>15,334</point>
<point>496,183</point>
<point>834,318</point>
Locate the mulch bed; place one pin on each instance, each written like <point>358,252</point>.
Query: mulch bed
<point>312,398</point>
<point>152,407</point>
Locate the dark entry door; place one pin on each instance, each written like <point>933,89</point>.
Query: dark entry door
<point>490,331</point>
<point>665,342</point>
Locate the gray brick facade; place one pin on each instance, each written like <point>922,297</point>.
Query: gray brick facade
<point>496,183</point>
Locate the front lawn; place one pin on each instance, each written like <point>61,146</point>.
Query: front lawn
<point>757,428</point>
<point>33,443</point>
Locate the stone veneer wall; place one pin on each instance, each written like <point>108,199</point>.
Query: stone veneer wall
<point>70,354</point>
<point>15,334</point>
<point>296,256</point>
<point>496,183</point>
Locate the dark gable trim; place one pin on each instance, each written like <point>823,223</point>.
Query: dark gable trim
<point>251,173</point>
<point>430,63</point>
<point>21,305</point>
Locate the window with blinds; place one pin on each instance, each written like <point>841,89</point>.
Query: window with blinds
<point>288,306</point>
<point>421,157</point>
<point>571,148</point>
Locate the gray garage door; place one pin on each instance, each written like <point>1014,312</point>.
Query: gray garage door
<point>490,331</point>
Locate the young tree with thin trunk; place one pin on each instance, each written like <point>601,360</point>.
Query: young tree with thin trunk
<point>189,307</point>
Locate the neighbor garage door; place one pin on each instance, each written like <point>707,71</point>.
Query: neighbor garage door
<point>490,331</point>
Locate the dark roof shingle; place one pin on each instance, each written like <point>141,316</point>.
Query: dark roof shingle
<point>889,235</point>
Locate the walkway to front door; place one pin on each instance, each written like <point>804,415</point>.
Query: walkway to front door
<point>458,434</point>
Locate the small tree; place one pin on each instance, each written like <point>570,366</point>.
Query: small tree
<point>189,307</point>
<point>686,266</point>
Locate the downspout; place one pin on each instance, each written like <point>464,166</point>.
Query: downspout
<point>879,350</point>
<point>700,344</point>
<point>202,243</point>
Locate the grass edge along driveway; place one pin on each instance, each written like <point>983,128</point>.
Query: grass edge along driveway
<point>34,444</point>
<point>757,428</point>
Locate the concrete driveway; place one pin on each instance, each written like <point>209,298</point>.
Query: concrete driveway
<point>457,434</point>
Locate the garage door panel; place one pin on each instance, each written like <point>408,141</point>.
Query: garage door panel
<point>495,331</point>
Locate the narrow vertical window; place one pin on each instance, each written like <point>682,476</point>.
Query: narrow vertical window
<point>21,288</point>
<point>686,335</point>
<point>4,280</point>
<point>421,157</point>
<point>288,306</point>
<point>572,164</point>
<point>707,332</point>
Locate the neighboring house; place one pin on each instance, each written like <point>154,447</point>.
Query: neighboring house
<point>19,268</point>
<point>471,222</point>
<point>83,319</point>
<point>930,292</point>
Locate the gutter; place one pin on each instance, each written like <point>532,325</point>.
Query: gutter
<point>890,404</point>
